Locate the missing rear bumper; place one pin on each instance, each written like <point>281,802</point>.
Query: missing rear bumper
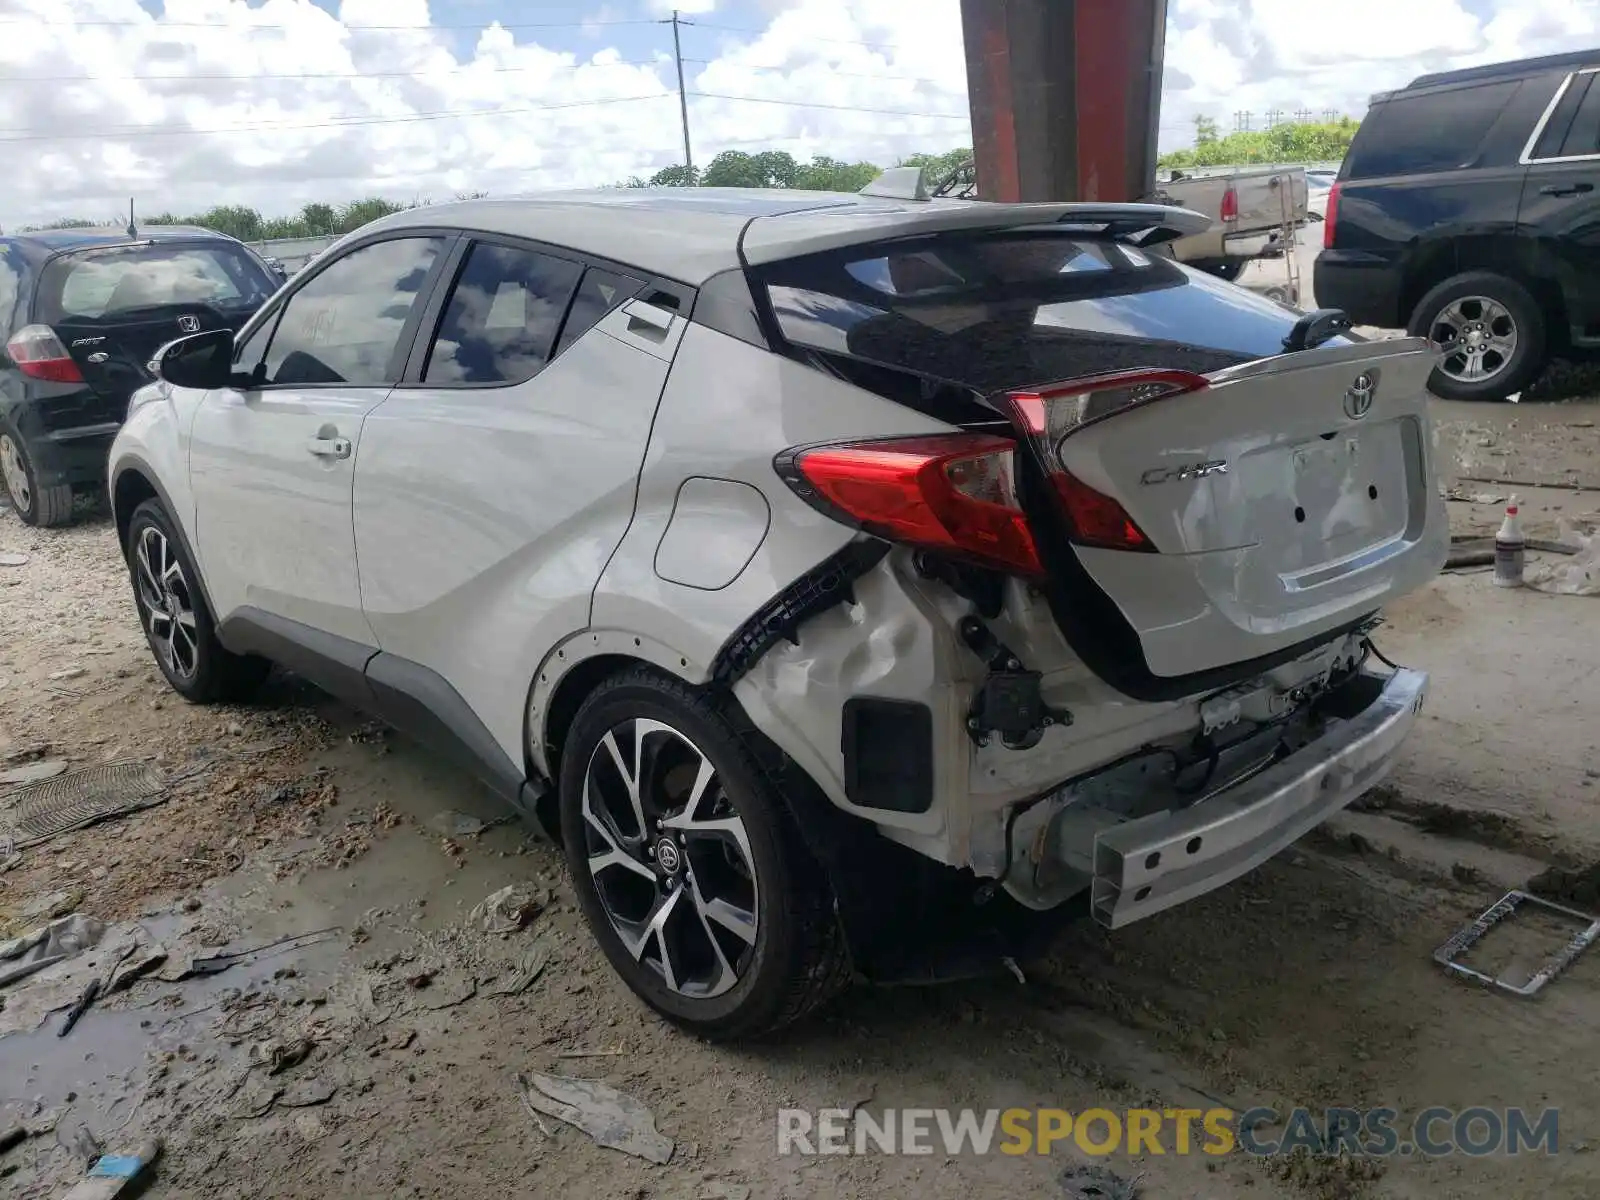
<point>1155,862</point>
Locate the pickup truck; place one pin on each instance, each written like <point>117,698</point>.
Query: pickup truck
<point>1248,206</point>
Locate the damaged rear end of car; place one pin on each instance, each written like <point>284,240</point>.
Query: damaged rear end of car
<point>1104,631</point>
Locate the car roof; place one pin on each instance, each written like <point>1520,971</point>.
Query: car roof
<point>1573,60</point>
<point>691,234</point>
<point>45,243</point>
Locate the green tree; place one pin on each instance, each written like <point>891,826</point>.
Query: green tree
<point>363,212</point>
<point>1205,131</point>
<point>318,219</point>
<point>824,174</point>
<point>735,168</point>
<point>1309,142</point>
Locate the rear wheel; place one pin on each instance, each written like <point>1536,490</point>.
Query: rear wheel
<point>1490,331</point>
<point>36,505</point>
<point>687,866</point>
<point>176,621</point>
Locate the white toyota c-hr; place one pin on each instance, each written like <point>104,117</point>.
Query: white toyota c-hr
<point>845,581</point>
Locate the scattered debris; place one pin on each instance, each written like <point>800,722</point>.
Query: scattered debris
<point>9,558</point>
<point>448,996</point>
<point>1578,576</point>
<point>1449,954</point>
<point>511,908</point>
<point>521,977</point>
<point>278,1056</point>
<point>144,960</point>
<point>112,1174</point>
<point>256,1100</point>
<point>48,945</point>
<point>612,1119</point>
<point>215,964</point>
<point>68,673</point>
<point>591,1054</point>
<point>306,1093</point>
<point>1096,1182</point>
<point>455,824</point>
<point>43,810</point>
<point>80,1006</point>
<point>1010,964</point>
<point>1568,887</point>
<point>717,1190</point>
<point>12,1137</point>
<point>32,772</point>
<point>49,905</point>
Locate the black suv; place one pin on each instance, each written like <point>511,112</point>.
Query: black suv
<point>1468,210</point>
<point>81,313</point>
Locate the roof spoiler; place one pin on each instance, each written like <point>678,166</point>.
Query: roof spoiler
<point>899,183</point>
<point>1137,224</point>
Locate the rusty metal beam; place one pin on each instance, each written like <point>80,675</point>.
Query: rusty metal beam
<point>1065,96</point>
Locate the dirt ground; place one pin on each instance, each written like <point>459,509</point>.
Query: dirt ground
<point>376,1059</point>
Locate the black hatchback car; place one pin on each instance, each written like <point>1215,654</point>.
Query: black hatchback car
<point>1468,210</point>
<point>82,311</point>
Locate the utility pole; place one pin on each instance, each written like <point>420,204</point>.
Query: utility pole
<point>683,95</point>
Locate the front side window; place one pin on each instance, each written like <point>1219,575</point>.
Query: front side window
<point>344,325</point>
<point>502,318</point>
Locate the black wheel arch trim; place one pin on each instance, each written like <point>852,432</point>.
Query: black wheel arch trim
<point>133,463</point>
<point>413,698</point>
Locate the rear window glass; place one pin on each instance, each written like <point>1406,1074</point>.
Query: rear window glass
<point>10,286</point>
<point>1430,131</point>
<point>999,311</point>
<point>107,284</point>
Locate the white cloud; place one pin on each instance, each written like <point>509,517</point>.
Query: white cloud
<point>376,110</point>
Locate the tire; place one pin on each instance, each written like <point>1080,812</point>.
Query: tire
<point>697,972</point>
<point>47,507</point>
<point>175,618</point>
<point>1481,304</point>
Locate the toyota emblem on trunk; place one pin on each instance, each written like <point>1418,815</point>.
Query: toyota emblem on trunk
<point>189,324</point>
<point>1358,400</point>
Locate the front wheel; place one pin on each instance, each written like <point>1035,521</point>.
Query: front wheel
<point>176,621</point>
<point>1490,332</point>
<point>688,867</point>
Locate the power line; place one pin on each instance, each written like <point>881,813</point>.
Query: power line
<point>809,37</point>
<point>161,23</point>
<point>890,112</point>
<point>706,62</point>
<point>153,131</point>
<point>457,70</point>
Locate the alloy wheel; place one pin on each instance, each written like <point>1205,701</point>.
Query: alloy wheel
<point>167,602</point>
<point>1478,337</point>
<point>16,475</point>
<point>670,858</point>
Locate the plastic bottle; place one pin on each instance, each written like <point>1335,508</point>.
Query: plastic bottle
<point>1510,549</point>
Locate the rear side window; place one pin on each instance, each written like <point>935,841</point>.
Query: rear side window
<point>1430,131</point>
<point>600,292</point>
<point>990,312</point>
<point>501,321</point>
<point>10,288</point>
<point>344,325</point>
<point>111,284</point>
<point>1573,130</point>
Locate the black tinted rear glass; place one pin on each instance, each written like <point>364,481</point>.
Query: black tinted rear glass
<point>998,311</point>
<point>1429,131</point>
<point>118,282</point>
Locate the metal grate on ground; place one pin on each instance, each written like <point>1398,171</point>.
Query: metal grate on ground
<point>39,811</point>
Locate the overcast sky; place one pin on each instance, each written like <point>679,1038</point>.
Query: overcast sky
<point>272,103</point>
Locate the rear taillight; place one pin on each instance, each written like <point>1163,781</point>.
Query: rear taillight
<point>1051,415</point>
<point>39,354</point>
<point>951,493</point>
<point>1230,205</point>
<point>1330,217</point>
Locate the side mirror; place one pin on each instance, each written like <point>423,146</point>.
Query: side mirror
<point>201,360</point>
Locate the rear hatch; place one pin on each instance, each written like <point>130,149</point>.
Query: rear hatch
<point>112,308</point>
<point>1203,502</point>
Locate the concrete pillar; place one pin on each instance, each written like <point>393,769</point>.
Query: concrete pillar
<point>1065,96</point>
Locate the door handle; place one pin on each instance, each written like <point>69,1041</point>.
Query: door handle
<point>1565,189</point>
<point>334,447</point>
<point>649,320</point>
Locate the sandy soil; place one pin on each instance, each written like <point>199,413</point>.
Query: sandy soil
<point>1309,982</point>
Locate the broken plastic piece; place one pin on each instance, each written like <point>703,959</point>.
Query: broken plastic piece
<point>113,1174</point>
<point>612,1119</point>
